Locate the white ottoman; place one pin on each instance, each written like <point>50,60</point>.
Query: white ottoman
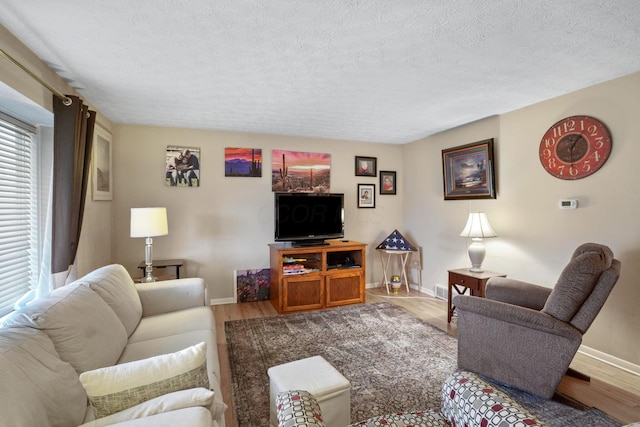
<point>318,377</point>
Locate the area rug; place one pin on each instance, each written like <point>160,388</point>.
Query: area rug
<point>394,361</point>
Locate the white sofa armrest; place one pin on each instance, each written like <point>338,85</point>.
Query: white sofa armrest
<point>172,295</point>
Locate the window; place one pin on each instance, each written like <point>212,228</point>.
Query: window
<point>18,211</point>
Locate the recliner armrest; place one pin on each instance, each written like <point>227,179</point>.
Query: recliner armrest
<point>517,292</point>
<point>517,315</point>
<point>172,295</point>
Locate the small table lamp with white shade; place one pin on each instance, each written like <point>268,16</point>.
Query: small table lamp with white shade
<point>149,222</point>
<point>477,228</point>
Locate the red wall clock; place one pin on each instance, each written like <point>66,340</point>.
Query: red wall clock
<point>575,147</point>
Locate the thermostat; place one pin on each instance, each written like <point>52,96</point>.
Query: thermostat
<point>568,204</point>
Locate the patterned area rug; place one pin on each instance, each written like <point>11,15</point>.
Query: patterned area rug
<point>394,361</point>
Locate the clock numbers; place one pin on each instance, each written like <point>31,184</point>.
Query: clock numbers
<point>575,147</point>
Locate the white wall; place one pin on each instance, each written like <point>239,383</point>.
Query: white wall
<point>226,224</point>
<point>536,238</point>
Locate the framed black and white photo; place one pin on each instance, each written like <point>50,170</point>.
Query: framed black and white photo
<point>366,195</point>
<point>366,166</point>
<point>387,182</point>
<point>102,182</point>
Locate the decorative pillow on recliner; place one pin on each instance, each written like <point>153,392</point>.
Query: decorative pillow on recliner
<point>575,284</point>
<point>115,388</point>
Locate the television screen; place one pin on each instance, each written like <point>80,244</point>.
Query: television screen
<point>309,218</point>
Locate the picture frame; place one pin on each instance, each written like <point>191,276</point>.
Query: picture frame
<point>468,171</point>
<point>182,166</point>
<point>366,195</point>
<point>101,165</point>
<point>366,166</point>
<point>387,182</point>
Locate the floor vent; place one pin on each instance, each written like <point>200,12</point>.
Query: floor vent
<point>441,292</point>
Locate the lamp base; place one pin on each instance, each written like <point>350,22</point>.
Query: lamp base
<point>476,255</point>
<point>148,279</point>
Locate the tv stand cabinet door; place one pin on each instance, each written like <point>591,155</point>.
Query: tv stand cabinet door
<point>302,292</point>
<point>345,287</point>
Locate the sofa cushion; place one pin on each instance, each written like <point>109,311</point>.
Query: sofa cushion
<point>188,417</point>
<point>85,331</point>
<point>575,284</point>
<point>115,286</point>
<point>167,402</point>
<point>37,388</point>
<point>298,408</point>
<point>168,344</point>
<point>115,388</point>
<point>173,323</point>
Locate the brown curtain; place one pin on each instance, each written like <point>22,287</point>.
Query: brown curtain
<point>72,141</point>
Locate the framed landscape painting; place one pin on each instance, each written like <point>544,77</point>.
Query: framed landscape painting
<point>468,171</point>
<point>300,172</point>
<point>243,162</point>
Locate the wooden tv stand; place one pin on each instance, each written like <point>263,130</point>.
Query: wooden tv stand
<point>317,277</point>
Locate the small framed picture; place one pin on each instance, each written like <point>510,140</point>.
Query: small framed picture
<point>387,182</point>
<point>366,195</point>
<point>366,166</point>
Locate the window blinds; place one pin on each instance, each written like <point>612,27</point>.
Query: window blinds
<point>18,203</point>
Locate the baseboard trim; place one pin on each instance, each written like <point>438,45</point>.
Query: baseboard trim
<point>610,360</point>
<point>221,301</point>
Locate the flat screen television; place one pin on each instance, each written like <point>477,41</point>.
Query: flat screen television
<point>308,218</point>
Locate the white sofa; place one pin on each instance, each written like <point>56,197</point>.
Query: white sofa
<point>115,333</point>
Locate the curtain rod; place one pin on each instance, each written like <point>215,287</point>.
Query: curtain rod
<point>65,99</point>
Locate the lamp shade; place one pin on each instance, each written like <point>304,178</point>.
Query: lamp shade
<point>149,222</point>
<point>478,226</point>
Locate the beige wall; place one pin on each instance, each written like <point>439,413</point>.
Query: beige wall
<point>536,238</point>
<point>226,224</point>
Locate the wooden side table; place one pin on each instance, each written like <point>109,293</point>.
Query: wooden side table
<point>163,263</point>
<point>463,279</point>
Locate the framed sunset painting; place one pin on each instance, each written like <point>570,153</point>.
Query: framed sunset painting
<point>243,162</point>
<point>300,172</point>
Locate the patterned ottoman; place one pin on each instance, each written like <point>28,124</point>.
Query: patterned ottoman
<point>467,401</point>
<point>329,388</point>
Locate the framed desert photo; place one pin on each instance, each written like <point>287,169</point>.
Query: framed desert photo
<point>366,166</point>
<point>366,195</point>
<point>102,185</point>
<point>468,171</point>
<point>387,182</point>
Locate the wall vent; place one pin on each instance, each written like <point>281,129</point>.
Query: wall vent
<point>441,292</point>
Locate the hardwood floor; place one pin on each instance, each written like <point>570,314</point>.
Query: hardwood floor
<point>615,392</point>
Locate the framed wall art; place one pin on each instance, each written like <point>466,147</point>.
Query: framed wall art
<point>245,162</point>
<point>300,172</point>
<point>183,167</point>
<point>468,171</point>
<point>387,182</point>
<point>366,166</point>
<point>102,185</point>
<point>366,195</point>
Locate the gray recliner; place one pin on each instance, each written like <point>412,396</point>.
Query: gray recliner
<point>526,335</point>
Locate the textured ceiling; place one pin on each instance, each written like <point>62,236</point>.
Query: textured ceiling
<point>389,71</point>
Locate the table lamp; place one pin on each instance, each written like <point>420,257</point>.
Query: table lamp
<point>477,228</point>
<point>149,222</point>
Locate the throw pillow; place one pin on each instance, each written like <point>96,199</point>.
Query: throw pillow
<point>161,404</point>
<point>115,388</point>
